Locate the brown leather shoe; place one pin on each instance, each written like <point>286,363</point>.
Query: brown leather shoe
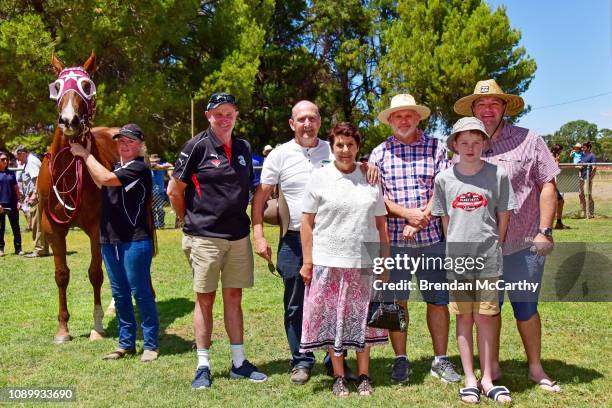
<point>119,353</point>
<point>300,375</point>
<point>149,355</point>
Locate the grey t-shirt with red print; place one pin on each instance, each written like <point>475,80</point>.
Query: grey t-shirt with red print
<point>472,203</point>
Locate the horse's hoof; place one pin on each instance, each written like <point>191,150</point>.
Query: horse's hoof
<point>94,335</point>
<point>62,339</point>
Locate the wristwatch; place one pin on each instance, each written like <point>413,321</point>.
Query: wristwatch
<point>547,232</point>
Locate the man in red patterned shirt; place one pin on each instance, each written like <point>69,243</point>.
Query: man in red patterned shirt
<point>532,170</point>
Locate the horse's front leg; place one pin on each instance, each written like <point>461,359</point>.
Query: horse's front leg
<point>57,240</point>
<point>96,277</point>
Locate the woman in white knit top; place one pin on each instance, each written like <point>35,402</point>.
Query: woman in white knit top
<point>341,211</point>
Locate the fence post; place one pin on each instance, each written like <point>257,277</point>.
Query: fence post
<point>587,192</point>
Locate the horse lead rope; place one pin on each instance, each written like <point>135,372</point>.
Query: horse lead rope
<point>70,212</point>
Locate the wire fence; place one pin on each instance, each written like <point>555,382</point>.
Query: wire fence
<point>586,190</point>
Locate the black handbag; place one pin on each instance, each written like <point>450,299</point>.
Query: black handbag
<point>387,315</point>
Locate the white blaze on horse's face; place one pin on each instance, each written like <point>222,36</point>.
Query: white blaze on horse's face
<point>69,120</point>
<point>74,91</point>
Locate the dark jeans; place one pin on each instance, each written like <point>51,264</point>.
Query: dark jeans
<point>289,264</point>
<point>13,216</point>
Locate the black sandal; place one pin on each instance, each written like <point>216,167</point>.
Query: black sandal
<point>340,387</point>
<point>364,386</point>
<point>470,392</point>
<point>497,391</point>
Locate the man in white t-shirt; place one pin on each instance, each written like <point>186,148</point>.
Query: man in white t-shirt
<point>290,166</point>
<point>31,169</point>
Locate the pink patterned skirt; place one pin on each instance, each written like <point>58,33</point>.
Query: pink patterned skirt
<point>335,311</point>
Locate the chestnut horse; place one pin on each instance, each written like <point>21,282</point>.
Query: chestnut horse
<point>67,193</point>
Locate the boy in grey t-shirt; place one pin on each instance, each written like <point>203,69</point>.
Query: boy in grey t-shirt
<point>474,199</point>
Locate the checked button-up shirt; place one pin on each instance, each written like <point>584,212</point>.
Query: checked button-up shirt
<point>407,173</point>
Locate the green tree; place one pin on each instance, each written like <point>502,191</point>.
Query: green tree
<point>604,140</point>
<point>151,56</point>
<point>573,132</point>
<point>25,50</point>
<point>437,51</point>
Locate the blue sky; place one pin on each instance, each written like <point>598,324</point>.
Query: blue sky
<point>571,44</point>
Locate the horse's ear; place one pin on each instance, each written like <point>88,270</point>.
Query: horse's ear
<point>58,65</point>
<point>90,64</point>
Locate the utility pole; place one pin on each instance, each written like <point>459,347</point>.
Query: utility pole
<point>192,114</point>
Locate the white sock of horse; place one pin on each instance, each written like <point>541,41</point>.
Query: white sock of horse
<point>202,354</point>
<point>237,354</point>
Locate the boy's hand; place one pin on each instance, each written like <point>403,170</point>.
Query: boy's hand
<point>409,232</point>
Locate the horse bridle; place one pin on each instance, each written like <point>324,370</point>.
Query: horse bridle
<point>75,79</point>
<point>71,79</point>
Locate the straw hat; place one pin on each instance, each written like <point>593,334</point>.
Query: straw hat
<point>276,212</point>
<point>514,103</point>
<point>403,102</point>
<point>465,124</point>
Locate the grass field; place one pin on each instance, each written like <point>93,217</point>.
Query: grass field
<point>576,343</point>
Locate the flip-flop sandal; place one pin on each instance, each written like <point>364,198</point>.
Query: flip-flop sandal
<point>470,392</point>
<point>497,391</point>
<point>548,385</point>
<point>119,353</point>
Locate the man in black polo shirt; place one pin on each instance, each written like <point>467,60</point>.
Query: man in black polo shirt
<point>209,191</point>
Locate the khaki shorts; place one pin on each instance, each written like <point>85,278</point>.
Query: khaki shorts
<point>481,301</point>
<point>213,257</point>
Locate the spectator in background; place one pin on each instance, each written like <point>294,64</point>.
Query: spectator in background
<point>9,204</point>
<point>23,202</point>
<point>556,150</point>
<point>31,167</point>
<point>586,175</point>
<point>158,171</point>
<point>576,153</point>
<point>266,150</point>
<point>257,165</point>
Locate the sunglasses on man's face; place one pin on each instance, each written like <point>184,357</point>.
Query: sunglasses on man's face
<point>3,159</point>
<point>220,98</point>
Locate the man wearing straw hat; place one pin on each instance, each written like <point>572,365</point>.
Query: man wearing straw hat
<point>408,162</point>
<point>532,170</point>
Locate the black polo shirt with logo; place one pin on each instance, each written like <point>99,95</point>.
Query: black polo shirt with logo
<point>217,193</point>
<point>125,208</point>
